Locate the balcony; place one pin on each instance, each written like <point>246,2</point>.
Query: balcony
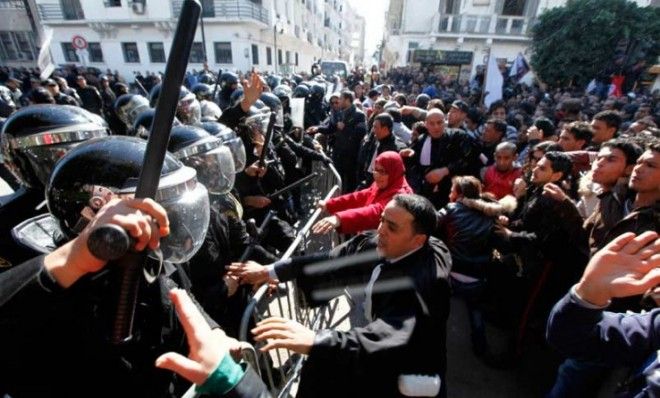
<point>68,10</point>
<point>238,10</point>
<point>485,25</point>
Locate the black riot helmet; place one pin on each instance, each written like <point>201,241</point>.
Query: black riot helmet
<point>202,91</point>
<point>207,154</point>
<point>297,79</point>
<point>154,94</point>
<point>283,92</point>
<point>231,141</point>
<point>35,137</point>
<point>227,81</point>
<point>99,170</point>
<point>301,91</point>
<point>273,81</point>
<point>317,92</point>
<point>143,122</point>
<point>235,97</point>
<point>207,78</point>
<point>129,106</point>
<point>275,105</point>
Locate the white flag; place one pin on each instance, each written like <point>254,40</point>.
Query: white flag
<point>44,62</point>
<point>494,82</point>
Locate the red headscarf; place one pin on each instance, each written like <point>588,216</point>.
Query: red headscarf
<point>392,163</point>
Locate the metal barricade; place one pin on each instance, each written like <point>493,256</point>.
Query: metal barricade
<point>281,368</point>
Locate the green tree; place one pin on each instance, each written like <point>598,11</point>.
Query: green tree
<point>587,38</point>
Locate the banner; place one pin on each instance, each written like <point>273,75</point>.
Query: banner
<point>44,62</point>
<point>494,82</point>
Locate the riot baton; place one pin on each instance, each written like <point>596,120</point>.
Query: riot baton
<point>141,87</point>
<point>256,234</point>
<point>131,263</point>
<point>292,185</point>
<point>269,137</point>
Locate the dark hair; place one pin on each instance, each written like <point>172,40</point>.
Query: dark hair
<point>495,105</point>
<point>474,115</point>
<point>420,127</point>
<point>499,125</point>
<point>544,124</point>
<point>381,102</point>
<point>372,93</point>
<point>543,147</point>
<point>395,113</point>
<point>468,186</point>
<point>348,95</point>
<point>385,120</point>
<point>423,212</point>
<point>437,104</point>
<point>630,150</point>
<point>401,99</point>
<point>581,131</point>
<point>610,118</point>
<point>561,163</point>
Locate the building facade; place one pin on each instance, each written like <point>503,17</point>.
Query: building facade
<point>19,33</point>
<point>457,36</point>
<point>136,35</point>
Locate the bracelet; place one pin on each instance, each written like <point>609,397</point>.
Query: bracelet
<point>224,378</point>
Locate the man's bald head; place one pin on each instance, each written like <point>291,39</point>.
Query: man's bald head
<point>435,123</point>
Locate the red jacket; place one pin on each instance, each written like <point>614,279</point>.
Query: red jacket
<point>361,210</point>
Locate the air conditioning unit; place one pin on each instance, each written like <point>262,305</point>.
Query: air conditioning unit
<point>138,7</point>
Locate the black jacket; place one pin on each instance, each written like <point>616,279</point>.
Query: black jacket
<point>347,140</point>
<point>407,335</point>
<point>65,331</point>
<point>456,150</point>
<point>468,235</point>
<point>389,143</point>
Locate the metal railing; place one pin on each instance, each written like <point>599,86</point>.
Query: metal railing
<point>282,368</point>
<point>485,24</point>
<point>56,12</point>
<point>229,9</point>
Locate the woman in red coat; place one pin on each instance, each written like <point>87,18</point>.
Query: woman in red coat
<point>361,210</point>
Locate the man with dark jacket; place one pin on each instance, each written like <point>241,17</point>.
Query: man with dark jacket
<point>378,141</point>
<point>89,96</point>
<point>434,159</point>
<point>348,136</point>
<point>406,305</point>
<point>59,97</point>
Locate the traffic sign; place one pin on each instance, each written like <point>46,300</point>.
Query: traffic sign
<point>79,42</point>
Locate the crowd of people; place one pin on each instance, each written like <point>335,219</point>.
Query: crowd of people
<point>506,207</point>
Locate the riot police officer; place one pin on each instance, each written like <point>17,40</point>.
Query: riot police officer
<point>75,303</point>
<point>228,84</point>
<point>33,139</point>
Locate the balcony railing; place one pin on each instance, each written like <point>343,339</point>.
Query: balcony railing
<point>56,12</point>
<point>12,4</point>
<point>485,24</point>
<point>229,9</point>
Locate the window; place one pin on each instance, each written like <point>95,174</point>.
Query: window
<point>223,52</point>
<point>131,53</point>
<point>288,57</point>
<point>279,56</point>
<point>269,56</point>
<point>197,53</point>
<point>255,54</point>
<point>513,7</point>
<point>95,52</point>
<point>69,53</point>
<point>156,52</point>
<point>8,47</point>
<point>208,9</point>
<point>71,9</point>
<point>112,3</point>
<point>296,59</point>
